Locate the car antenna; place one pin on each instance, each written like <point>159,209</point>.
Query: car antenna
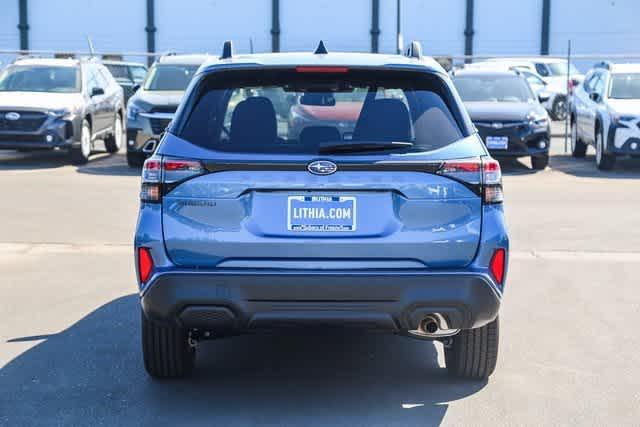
<point>91,50</point>
<point>321,49</point>
<point>227,50</point>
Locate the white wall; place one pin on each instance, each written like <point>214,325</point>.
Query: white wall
<point>508,27</point>
<point>595,26</point>
<point>501,27</point>
<point>344,25</point>
<point>203,26</point>
<point>9,33</point>
<point>114,25</point>
<point>438,25</point>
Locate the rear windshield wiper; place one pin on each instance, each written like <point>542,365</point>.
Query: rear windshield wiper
<point>361,146</point>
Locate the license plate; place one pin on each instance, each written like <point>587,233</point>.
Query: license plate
<point>497,142</point>
<point>321,213</point>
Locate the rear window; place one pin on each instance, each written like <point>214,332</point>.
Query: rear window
<point>170,77</point>
<point>285,111</point>
<point>492,88</point>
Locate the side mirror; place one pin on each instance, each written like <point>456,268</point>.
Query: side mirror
<point>595,96</point>
<point>544,97</point>
<point>135,88</point>
<point>97,91</point>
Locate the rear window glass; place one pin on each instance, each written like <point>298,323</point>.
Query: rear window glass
<point>492,88</point>
<point>284,111</point>
<point>170,77</point>
<point>118,71</point>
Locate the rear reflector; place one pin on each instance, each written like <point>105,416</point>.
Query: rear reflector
<point>496,266</point>
<point>145,264</point>
<point>313,69</point>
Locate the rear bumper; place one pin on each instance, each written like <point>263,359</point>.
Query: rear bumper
<point>238,301</point>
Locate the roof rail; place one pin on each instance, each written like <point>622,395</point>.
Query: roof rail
<point>321,49</point>
<point>25,56</point>
<point>603,64</point>
<point>227,50</point>
<point>414,50</point>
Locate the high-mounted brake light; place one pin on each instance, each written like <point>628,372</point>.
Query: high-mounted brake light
<point>481,173</point>
<point>161,174</point>
<point>497,264</point>
<point>145,264</point>
<point>321,69</point>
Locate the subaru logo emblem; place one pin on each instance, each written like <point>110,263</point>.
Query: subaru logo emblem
<point>322,167</point>
<point>496,125</point>
<point>12,116</point>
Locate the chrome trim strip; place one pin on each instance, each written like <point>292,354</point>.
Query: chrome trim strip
<point>168,116</point>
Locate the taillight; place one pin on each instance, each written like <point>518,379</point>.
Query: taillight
<point>483,174</point>
<point>145,264</point>
<point>159,175</point>
<point>497,264</point>
<point>491,181</point>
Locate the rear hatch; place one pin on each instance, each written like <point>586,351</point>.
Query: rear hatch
<point>242,192</point>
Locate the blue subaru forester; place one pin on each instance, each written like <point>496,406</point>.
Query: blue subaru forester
<point>321,190</point>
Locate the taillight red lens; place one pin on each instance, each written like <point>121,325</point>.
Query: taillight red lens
<point>145,264</point>
<point>173,165</point>
<point>497,264</point>
<point>158,171</point>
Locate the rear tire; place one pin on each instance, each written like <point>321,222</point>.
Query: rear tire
<point>113,142</point>
<point>559,108</point>
<point>166,350</point>
<point>604,161</point>
<point>578,148</point>
<point>540,162</point>
<point>135,160</point>
<point>80,153</point>
<point>474,352</point>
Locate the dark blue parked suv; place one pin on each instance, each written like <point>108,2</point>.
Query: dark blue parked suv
<point>388,219</point>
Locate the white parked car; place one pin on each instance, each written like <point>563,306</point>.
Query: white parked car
<point>606,113</point>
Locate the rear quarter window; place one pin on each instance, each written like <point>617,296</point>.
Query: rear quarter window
<point>284,111</point>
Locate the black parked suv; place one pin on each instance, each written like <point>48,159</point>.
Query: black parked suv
<point>60,104</point>
<point>508,115</point>
<point>154,103</point>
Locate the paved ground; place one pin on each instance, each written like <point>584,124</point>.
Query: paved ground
<point>69,352</point>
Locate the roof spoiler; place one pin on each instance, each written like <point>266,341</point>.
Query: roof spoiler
<point>414,50</point>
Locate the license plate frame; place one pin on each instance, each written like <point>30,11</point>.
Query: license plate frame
<point>497,142</point>
<point>323,214</point>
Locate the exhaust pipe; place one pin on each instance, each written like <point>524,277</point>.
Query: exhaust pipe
<point>149,146</point>
<point>434,325</point>
<point>429,325</point>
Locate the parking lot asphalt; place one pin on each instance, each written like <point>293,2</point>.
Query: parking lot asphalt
<point>69,336</point>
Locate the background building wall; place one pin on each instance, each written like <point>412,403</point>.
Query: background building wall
<point>9,34</point>
<point>343,24</point>
<point>114,25</point>
<point>508,27</point>
<point>501,27</point>
<point>438,25</point>
<point>204,25</point>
